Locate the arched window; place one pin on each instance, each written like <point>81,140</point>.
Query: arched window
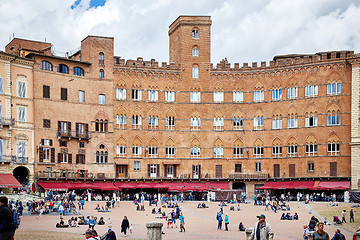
<point>195,71</point>
<point>101,58</point>
<point>78,71</point>
<point>153,122</point>
<point>311,147</point>
<point>121,147</point>
<point>102,154</point>
<point>195,148</point>
<point>45,65</point>
<point>333,118</point>
<point>277,148</point>
<point>195,33</point>
<point>218,149</point>
<point>136,121</point>
<point>136,147</point>
<point>195,122</point>
<point>195,51</point>
<point>219,123</point>
<point>101,74</point>
<point>62,68</point>
<point>238,122</point>
<point>258,122</point>
<point>238,149</point>
<point>170,148</point>
<point>292,147</point>
<point>121,120</point>
<point>258,149</point>
<point>101,125</point>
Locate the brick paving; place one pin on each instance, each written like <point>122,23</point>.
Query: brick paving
<point>200,223</point>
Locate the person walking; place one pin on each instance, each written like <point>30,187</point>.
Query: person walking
<point>219,219</point>
<point>226,222</point>
<point>262,230</point>
<point>125,225</point>
<point>343,215</point>
<point>182,223</point>
<point>306,232</point>
<point>351,215</point>
<point>7,230</point>
<point>320,234</point>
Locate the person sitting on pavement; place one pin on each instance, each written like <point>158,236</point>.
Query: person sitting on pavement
<point>101,221</point>
<point>241,227</point>
<point>296,216</point>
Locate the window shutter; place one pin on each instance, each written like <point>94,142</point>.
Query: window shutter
<point>148,170</point>
<point>165,170</point>
<point>52,157</point>
<point>83,159</point>
<point>157,170</point>
<point>77,158</point>
<point>59,126</point>
<point>51,142</point>
<point>199,171</point>
<point>69,158</point>
<point>126,171</point>
<point>69,127</point>
<point>59,157</point>
<point>174,171</point>
<point>41,154</point>
<point>1,85</point>
<point>77,127</point>
<point>193,170</point>
<point>42,142</point>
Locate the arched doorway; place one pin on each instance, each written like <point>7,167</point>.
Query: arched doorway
<point>239,186</point>
<point>21,174</point>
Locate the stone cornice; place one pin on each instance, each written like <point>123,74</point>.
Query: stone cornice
<point>354,61</point>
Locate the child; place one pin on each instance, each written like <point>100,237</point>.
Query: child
<point>131,228</point>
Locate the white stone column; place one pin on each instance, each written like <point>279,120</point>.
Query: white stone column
<point>355,137</point>
<point>154,230</point>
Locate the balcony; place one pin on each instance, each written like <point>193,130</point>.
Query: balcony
<point>74,134</point>
<point>13,159</point>
<point>248,175</point>
<point>69,175</point>
<point>7,122</point>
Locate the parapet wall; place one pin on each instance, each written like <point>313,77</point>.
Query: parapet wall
<point>140,63</point>
<point>285,60</point>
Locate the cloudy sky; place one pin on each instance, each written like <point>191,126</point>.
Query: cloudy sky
<point>242,30</point>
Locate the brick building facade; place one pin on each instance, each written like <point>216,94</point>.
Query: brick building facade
<point>97,116</point>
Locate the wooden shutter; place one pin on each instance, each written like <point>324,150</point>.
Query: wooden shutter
<point>218,171</point>
<point>83,159</point>
<point>59,157</point>
<point>59,126</point>
<point>77,158</point>
<point>42,142</point>
<point>165,170</point>
<point>77,128</point>
<point>199,171</point>
<point>52,157</point>
<point>69,158</point>
<point>69,127</point>
<point>276,170</point>
<point>51,142</point>
<point>41,154</point>
<point>86,129</point>
<point>175,171</point>
<point>149,170</point>
<point>291,170</point>
<point>333,169</point>
<point>126,171</point>
<point>193,170</point>
<point>157,170</point>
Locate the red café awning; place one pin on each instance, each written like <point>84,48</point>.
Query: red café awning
<point>9,181</point>
<point>105,186</point>
<point>126,185</point>
<point>276,185</point>
<point>79,185</point>
<point>54,186</point>
<point>333,185</point>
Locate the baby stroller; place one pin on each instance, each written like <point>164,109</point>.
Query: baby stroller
<point>337,220</point>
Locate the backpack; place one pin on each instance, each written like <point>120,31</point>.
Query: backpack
<point>16,220</point>
<point>342,237</point>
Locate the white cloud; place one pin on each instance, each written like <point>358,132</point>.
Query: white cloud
<point>242,31</point>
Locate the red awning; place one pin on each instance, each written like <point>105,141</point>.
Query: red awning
<point>277,185</point>
<point>333,185</point>
<point>125,185</point>
<point>105,186</point>
<point>302,185</point>
<point>144,185</point>
<point>160,186</point>
<point>79,185</point>
<point>9,181</point>
<point>54,186</point>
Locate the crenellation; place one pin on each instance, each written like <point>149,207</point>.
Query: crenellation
<point>245,65</point>
<point>254,65</point>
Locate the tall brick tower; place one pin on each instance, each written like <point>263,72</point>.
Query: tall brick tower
<point>190,46</point>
